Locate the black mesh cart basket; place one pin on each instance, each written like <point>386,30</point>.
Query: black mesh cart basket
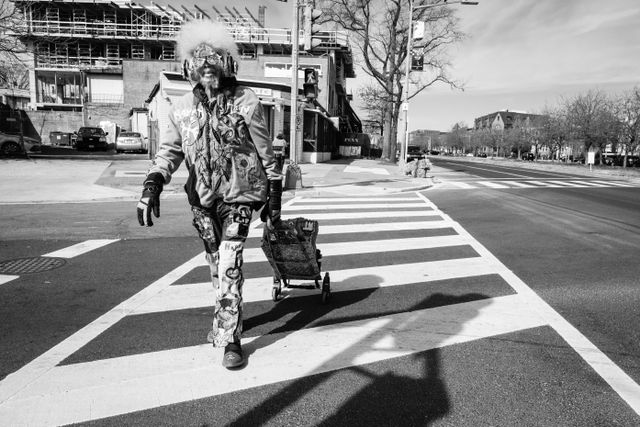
<point>290,247</point>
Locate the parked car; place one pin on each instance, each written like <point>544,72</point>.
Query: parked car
<point>131,141</point>
<point>11,146</point>
<point>91,138</point>
<point>528,156</point>
<point>414,152</point>
<point>481,155</point>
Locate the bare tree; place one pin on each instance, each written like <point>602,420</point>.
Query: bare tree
<point>380,32</point>
<point>11,24</point>
<point>457,138</point>
<point>516,138</point>
<point>628,111</point>
<point>375,102</point>
<point>591,118</point>
<point>553,130</point>
<point>12,68</point>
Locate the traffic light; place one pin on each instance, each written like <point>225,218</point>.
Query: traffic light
<point>311,29</point>
<point>310,86</point>
<point>417,62</point>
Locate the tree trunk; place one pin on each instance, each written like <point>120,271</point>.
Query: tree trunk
<point>394,135</point>
<point>386,141</point>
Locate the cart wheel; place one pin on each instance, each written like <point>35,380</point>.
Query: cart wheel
<point>275,294</point>
<point>275,290</point>
<point>326,289</point>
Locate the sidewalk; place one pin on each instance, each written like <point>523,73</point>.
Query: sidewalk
<point>77,180</point>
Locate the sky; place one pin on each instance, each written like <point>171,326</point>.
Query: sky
<point>519,55</point>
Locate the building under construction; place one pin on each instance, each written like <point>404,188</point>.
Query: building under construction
<point>101,59</point>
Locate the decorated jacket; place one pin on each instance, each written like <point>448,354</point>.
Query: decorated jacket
<point>225,144</point>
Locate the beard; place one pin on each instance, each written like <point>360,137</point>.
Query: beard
<point>210,81</point>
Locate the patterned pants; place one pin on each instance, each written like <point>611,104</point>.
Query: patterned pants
<point>224,228</point>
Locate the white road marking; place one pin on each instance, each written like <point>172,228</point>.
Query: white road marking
<point>329,207</point>
<point>589,184</point>
<point>619,381</point>
<point>496,171</point>
<point>567,184</point>
<point>543,184</point>
<point>460,184</point>
<point>4,278</point>
<point>369,246</point>
<point>341,200</point>
<point>492,184</point>
<point>43,393</point>
<point>361,215</point>
<point>614,183</point>
<point>371,228</point>
<point>80,248</point>
<point>518,184</point>
<point>44,363</point>
<point>198,295</point>
<point>87,391</point>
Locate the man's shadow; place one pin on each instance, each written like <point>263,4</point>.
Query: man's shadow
<point>387,398</point>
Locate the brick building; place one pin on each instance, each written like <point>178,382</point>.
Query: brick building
<point>505,119</point>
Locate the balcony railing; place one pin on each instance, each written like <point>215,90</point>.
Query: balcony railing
<point>79,62</point>
<point>167,31</point>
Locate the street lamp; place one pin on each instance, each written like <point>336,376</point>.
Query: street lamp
<point>409,59</point>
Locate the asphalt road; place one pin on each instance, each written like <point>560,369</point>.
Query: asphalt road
<point>576,247</point>
<point>439,313</point>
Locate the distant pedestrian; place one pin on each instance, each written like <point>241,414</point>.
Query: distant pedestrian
<point>279,146</point>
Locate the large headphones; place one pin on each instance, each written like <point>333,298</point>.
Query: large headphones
<point>230,68</point>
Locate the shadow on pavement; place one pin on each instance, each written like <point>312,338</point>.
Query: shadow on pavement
<point>387,398</point>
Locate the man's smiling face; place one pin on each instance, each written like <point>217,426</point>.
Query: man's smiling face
<point>208,63</point>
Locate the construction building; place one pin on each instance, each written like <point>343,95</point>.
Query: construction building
<point>97,61</point>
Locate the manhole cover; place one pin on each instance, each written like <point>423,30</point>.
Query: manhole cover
<point>30,265</point>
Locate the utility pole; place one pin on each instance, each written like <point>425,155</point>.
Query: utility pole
<point>293,125</point>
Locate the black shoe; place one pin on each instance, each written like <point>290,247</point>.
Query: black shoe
<point>233,357</point>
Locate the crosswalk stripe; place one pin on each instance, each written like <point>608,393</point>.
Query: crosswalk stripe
<point>355,199</point>
<point>518,184</point>
<point>543,184</point>
<point>462,185</point>
<point>85,391</point>
<point>353,215</point>
<point>4,278</point>
<point>298,206</point>
<point>371,228</point>
<point>619,381</point>
<point>492,184</point>
<point>567,184</point>
<point>371,246</point>
<point>43,393</point>
<point>538,184</point>
<point>43,363</point>
<point>197,295</point>
<point>80,248</point>
<point>614,183</point>
<point>589,184</point>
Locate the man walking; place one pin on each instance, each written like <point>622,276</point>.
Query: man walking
<point>219,130</point>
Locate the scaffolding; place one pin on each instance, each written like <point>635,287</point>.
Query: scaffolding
<point>72,37</point>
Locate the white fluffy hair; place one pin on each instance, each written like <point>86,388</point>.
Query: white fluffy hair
<point>196,32</point>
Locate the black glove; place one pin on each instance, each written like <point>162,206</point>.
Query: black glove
<point>150,200</point>
<point>271,211</point>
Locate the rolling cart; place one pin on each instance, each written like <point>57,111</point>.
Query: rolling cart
<point>290,247</point>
